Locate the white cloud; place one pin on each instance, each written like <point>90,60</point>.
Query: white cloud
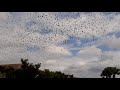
<point>93,68</point>
<point>58,50</point>
<point>89,52</point>
<point>111,42</point>
<point>4,15</point>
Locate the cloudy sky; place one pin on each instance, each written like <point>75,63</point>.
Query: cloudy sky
<point>78,43</point>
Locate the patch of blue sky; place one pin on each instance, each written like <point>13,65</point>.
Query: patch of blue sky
<point>73,41</point>
<point>35,27</point>
<point>63,15</point>
<point>45,31</point>
<point>74,52</point>
<point>74,47</point>
<point>117,34</point>
<point>33,48</point>
<point>106,48</point>
<point>103,48</point>
<point>88,40</point>
<point>110,15</point>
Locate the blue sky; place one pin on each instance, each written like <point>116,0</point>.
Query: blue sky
<point>79,43</point>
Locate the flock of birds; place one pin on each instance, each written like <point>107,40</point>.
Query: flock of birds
<point>84,25</point>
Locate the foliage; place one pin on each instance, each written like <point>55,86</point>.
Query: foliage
<point>30,70</point>
<point>50,74</point>
<point>110,72</point>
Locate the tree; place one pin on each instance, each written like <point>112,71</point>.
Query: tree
<point>110,72</point>
<point>30,70</point>
<point>9,72</point>
<point>2,74</point>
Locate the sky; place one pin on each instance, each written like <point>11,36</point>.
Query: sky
<point>78,43</point>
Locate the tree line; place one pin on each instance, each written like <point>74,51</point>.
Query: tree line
<point>30,70</point>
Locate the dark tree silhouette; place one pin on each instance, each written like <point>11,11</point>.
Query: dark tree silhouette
<point>110,72</point>
<point>30,70</point>
<point>8,71</point>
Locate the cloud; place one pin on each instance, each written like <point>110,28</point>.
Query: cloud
<point>89,52</point>
<point>86,25</point>
<point>93,68</point>
<point>58,50</point>
<point>112,42</point>
<point>95,24</point>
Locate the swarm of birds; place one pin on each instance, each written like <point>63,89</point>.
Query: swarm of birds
<point>49,27</point>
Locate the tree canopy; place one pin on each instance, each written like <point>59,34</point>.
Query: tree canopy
<point>30,70</point>
<point>110,72</point>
